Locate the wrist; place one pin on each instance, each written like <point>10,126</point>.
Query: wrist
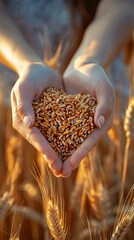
<point>83,62</point>
<point>21,59</point>
<point>28,63</point>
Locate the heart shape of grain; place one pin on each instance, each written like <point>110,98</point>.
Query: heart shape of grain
<point>64,120</point>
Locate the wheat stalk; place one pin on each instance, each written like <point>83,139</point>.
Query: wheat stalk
<point>53,206</point>
<point>28,213</point>
<point>79,184</point>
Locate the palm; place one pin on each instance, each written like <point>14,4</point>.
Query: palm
<point>33,80</point>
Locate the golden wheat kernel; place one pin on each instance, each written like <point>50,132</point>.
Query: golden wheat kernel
<point>64,117</point>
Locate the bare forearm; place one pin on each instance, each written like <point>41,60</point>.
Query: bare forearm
<point>105,37</point>
<point>15,52</point>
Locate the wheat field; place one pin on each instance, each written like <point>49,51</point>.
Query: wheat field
<point>96,202</point>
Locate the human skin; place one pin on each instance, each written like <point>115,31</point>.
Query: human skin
<point>34,77</point>
<point>102,41</point>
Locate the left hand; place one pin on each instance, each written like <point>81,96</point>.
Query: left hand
<point>34,78</point>
<point>90,78</point>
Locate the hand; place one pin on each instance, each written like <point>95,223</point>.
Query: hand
<point>90,78</point>
<point>34,78</point>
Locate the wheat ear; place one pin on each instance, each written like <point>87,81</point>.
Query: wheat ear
<point>129,129</point>
<point>97,191</point>
<point>129,120</point>
<point>6,202</point>
<point>125,218</point>
<point>53,207</point>
<point>122,228</point>
<point>55,221</point>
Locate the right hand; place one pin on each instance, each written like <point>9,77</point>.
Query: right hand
<point>34,78</point>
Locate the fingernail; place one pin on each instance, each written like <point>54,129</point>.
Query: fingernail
<point>27,121</point>
<point>57,174</point>
<point>66,176</point>
<point>101,121</point>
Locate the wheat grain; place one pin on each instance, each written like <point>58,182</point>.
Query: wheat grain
<point>64,120</point>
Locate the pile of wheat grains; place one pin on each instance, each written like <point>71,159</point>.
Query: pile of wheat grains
<point>64,120</point>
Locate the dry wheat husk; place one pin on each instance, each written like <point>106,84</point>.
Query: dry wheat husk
<point>122,228</point>
<point>129,130</point>
<point>6,202</point>
<point>100,201</point>
<point>53,205</point>
<point>97,190</point>
<point>125,217</point>
<point>55,221</point>
<point>64,120</point>
<point>129,120</point>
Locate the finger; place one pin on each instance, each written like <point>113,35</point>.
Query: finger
<point>34,136</point>
<point>55,166</point>
<point>67,168</point>
<point>54,169</point>
<point>24,106</point>
<point>105,106</point>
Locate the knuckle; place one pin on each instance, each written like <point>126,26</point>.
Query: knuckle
<point>28,136</point>
<point>20,109</point>
<point>18,88</point>
<point>14,124</point>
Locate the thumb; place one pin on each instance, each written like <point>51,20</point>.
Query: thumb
<point>104,108</point>
<point>100,113</point>
<point>25,111</point>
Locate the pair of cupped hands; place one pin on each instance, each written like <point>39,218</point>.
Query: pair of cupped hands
<point>34,78</point>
